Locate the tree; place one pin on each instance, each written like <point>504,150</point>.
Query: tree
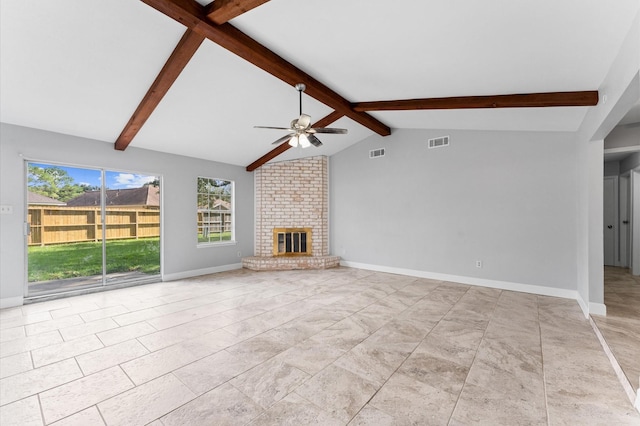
<point>53,182</point>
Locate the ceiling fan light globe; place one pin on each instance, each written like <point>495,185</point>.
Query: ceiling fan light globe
<point>304,141</point>
<point>294,141</point>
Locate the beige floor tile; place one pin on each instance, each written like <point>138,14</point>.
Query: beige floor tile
<point>372,362</point>
<point>410,401</point>
<point>87,329</point>
<point>343,335</point>
<point>136,316</point>
<point>370,416</point>
<point>74,309</point>
<point>210,372</point>
<point>221,406</point>
<point>80,394</point>
<point>15,364</point>
<point>103,313</point>
<point>339,392</point>
<point>110,356</point>
<point>165,360</point>
<point>171,320</point>
<point>11,313</point>
<point>352,330</point>
<point>89,417</point>
<point>29,343</point>
<point>311,356</point>
<point>296,411</point>
<point>55,324</point>
<point>259,348</point>
<point>7,334</point>
<point>25,412</point>
<point>269,382</point>
<point>170,336</point>
<point>435,371</point>
<point>38,380</point>
<point>17,321</point>
<point>143,404</point>
<point>64,350</point>
<point>127,332</point>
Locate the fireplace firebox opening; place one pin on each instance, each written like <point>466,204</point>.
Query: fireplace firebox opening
<point>292,241</point>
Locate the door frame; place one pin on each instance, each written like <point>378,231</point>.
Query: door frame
<point>103,286</point>
<point>616,220</point>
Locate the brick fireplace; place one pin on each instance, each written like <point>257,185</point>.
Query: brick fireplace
<point>292,196</point>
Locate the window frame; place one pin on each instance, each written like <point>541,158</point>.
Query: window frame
<point>209,212</point>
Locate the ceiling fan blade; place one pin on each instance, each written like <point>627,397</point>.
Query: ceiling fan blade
<point>328,130</point>
<point>274,128</point>
<point>304,121</point>
<point>282,139</point>
<point>314,141</point>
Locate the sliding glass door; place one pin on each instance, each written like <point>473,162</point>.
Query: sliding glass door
<point>89,228</point>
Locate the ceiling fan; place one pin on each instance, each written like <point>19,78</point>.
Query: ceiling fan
<point>300,131</point>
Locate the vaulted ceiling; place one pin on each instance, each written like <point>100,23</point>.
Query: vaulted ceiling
<point>193,78</point>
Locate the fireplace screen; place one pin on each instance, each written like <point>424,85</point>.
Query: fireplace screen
<point>291,241</point>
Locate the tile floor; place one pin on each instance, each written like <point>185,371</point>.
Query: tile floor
<point>335,347</point>
<point>621,326</point>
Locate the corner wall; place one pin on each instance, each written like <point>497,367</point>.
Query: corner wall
<point>507,199</point>
<point>181,257</point>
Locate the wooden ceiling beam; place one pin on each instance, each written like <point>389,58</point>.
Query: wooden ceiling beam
<point>323,122</point>
<point>184,51</point>
<point>530,100</point>
<point>221,11</point>
<point>227,36</point>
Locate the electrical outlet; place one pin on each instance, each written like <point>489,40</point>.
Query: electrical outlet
<point>6,209</point>
<point>478,263</point>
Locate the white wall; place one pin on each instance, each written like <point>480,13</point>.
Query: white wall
<point>621,87</point>
<point>506,198</point>
<point>181,257</point>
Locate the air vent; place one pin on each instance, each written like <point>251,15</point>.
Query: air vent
<point>439,142</point>
<point>375,153</point>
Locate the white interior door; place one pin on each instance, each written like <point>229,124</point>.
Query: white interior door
<point>610,220</point>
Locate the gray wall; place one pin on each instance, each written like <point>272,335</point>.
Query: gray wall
<point>612,168</point>
<point>623,137</point>
<point>630,163</point>
<point>508,199</point>
<point>178,190</point>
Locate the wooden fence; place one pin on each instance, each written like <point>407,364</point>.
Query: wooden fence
<point>59,225</point>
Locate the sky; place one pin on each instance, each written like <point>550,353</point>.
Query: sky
<point>115,180</point>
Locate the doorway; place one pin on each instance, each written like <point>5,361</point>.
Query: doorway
<point>89,228</point>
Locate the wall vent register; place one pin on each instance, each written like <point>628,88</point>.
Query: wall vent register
<point>375,153</point>
<point>439,142</point>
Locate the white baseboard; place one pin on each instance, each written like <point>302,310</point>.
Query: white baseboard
<point>598,309</point>
<point>198,272</point>
<point>10,302</point>
<point>583,305</point>
<point>503,285</point>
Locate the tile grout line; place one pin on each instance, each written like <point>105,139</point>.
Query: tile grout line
<point>544,374</point>
<point>484,333</point>
<point>622,378</point>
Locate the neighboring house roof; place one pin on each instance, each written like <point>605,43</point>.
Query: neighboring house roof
<point>144,196</point>
<point>34,198</point>
<point>217,205</point>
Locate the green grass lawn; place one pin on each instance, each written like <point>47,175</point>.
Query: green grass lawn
<point>62,261</point>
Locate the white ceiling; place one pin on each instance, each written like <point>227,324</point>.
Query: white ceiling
<point>81,67</point>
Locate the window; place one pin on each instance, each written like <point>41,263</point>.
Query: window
<point>215,211</point>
